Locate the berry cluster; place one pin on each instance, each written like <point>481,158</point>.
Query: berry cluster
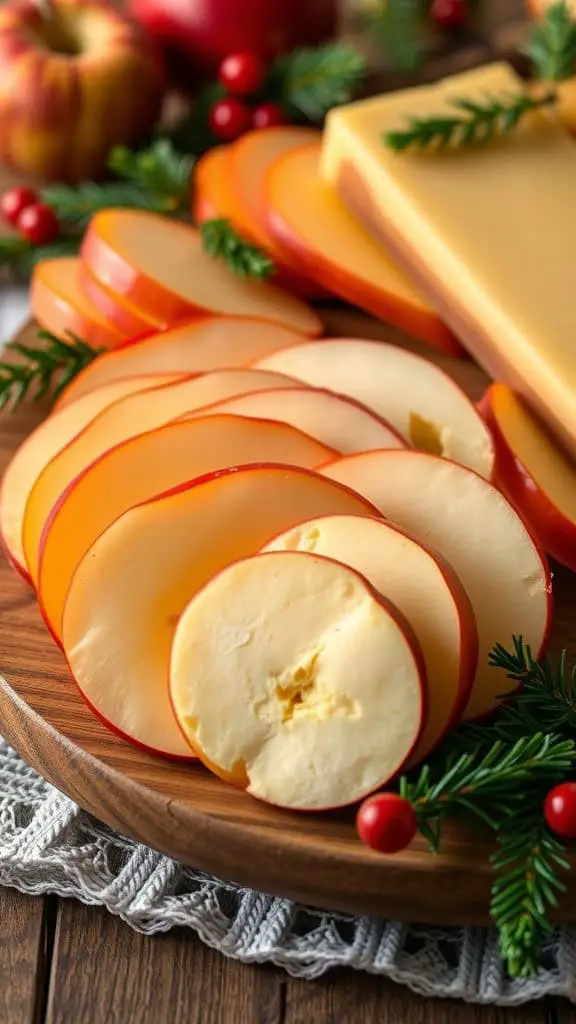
<point>243,75</point>
<point>35,221</point>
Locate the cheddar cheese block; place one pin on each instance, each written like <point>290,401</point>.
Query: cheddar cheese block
<point>489,232</point>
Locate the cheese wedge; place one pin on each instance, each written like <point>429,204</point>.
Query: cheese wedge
<point>274,688</point>
<point>488,231</point>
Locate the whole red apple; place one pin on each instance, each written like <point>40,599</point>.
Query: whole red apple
<point>76,78</point>
<point>207,31</point>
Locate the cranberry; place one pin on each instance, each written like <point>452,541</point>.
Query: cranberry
<point>38,224</point>
<point>387,822</point>
<point>15,200</point>
<point>268,115</point>
<point>242,74</point>
<point>229,119</point>
<point>450,14</point>
<point>560,810</point>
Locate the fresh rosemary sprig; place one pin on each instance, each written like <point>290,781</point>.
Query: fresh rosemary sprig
<point>552,44</point>
<point>222,242</point>
<point>475,123</point>
<point>48,368</point>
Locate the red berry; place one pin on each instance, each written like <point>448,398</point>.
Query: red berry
<point>268,115</point>
<point>387,822</point>
<point>560,810</point>
<point>229,119</point>
<point>39,224</point>
<point>450,14</point>
<point>242,74</point>
<point>15,200</point>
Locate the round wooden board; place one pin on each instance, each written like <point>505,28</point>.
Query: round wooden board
<point>199,820</point>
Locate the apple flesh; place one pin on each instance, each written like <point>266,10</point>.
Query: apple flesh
<point>210,343</point>
<point>423,587</point>
<point>117,423</point>
<point>124,315</point>
<point>60,305</point>
<point>474,527</point>
<point>76,80</point>
<point>535,474</point>
<point>130,589</point>
<point>41,446</point>
<point>314,229</point>
<point>144,467</point>
<point>204,32</point>
<point>161,266</point>
<point>210,193</point>
<point>335,420</point>
<point>414,395</point>
<point>291,677</point>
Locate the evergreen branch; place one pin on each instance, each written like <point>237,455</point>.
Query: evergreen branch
<point>75,205</point>
<point>159,171</point>
<point>396,25</point>
<point>552,44</point>
<point>19,255</point>
<point>478,123</point>
<point>528,862</point>
<point>312,81</point>
<point>222,242</point>
<point>40,370</point>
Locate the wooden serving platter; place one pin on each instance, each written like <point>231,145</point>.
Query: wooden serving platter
<point>185,812</point>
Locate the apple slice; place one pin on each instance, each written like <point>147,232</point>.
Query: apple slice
<point>473,526</point>
<point>119,422</point>
<point>424,588</point>
<point>131,587</point>
<point>309,222</point>
<point>60,306</point>
<point>210,343</point>
<point>42,445</point>
<point>211,195</point>
<point>335,420</point>
<point>160,265</point>
<point>119,311</point>
<point>534,472</point>
<point>143,467</point>
<point>420,401</point>
<point>319,683</point>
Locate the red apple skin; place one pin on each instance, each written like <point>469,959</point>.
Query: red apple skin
<point>418,657</point>
<point>207,31</point>
<point>61,114</point>
<point>556,533</point>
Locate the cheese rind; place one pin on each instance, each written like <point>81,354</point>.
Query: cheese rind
<point>291,666</point>
<point>488,230</point>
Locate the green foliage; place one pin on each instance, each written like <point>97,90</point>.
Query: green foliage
<point>396,25</point>
<point>222,242</point>
<point>310,82</point>
<point>552,44</point>
<point>22,257</point>
<point>477,122</point>
<point>48,368</point>
<point>161,172</point>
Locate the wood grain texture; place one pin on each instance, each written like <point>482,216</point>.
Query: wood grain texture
<point>199,820</point>
<point>105,973</point>
<point>22,957</point>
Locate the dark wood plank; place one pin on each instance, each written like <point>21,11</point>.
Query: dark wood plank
<point>23,949</point>
<point>348,997</point>
<point>562,1012</point>
<point>105,973</point>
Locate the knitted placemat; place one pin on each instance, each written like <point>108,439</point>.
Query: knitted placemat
<point>49,845</point>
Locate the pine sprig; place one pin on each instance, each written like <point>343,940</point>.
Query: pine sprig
<point>41,370</point>
<point>76,204</point>
<point>477,122</point>
<point>310,82</point>
<point>396,25</point>
<point>552,44</point>
<point>21,257</point>
<point>160,172</point>
<point>528,862</point>
<point>222,242</point>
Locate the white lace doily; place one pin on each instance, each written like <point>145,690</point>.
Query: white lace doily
<point>48,845</point>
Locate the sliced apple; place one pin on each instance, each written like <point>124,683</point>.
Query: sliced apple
<point>160,265</point>
<point>309,222</point>
<point>293,678</point>
<point>210,343</point>
<point>473,526</point>
<point>424,588</point>
<point>131,587</point>
<point>335,420</point>
<point>61,307</point>
<point>534,472</point>
<point>413,394</point>
<point>125,316</point>
<point>42,445</point>
<point>119,422</point>
<point>211,195</point>
<point>140,469</point>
